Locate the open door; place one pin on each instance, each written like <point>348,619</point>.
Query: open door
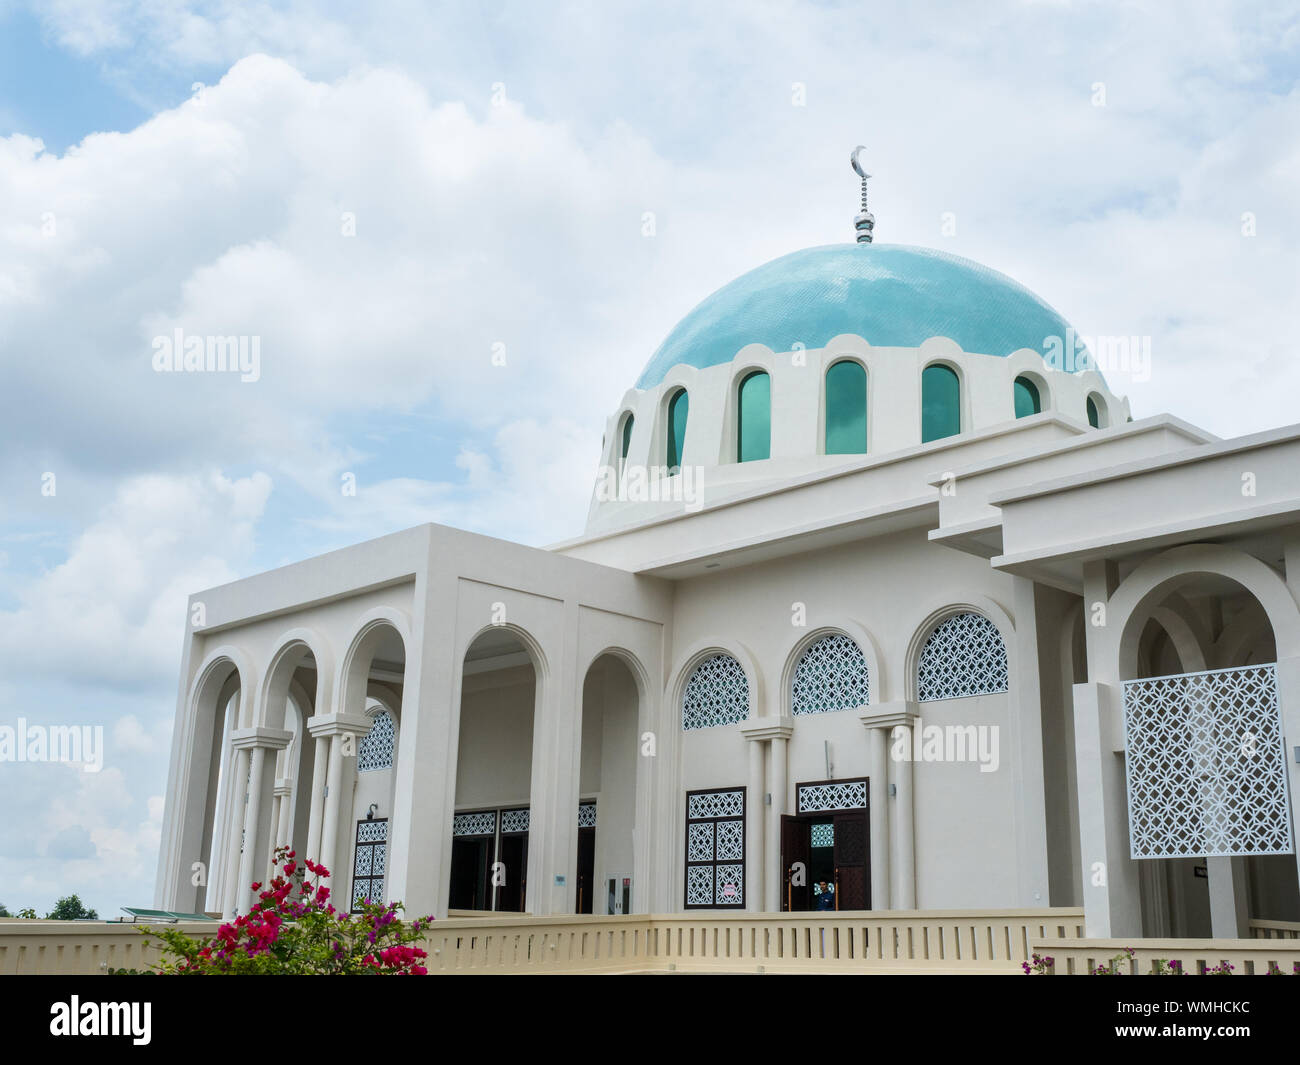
<point>586,869</point>
<point>795,862</point>
<point>852,853</point>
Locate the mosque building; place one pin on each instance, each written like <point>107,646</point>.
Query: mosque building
<point>884,601</point>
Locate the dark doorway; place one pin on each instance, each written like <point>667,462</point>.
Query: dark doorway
<point>586,869</point>
<point>829,847</point>
<point>469,873</point>
<point>513,860</point>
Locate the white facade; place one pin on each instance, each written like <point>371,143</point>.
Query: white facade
<point>1001,585</point>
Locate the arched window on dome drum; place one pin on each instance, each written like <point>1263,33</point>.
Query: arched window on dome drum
<point>831,675</point>
<point>1027,398</point>
<point>846,408</point>
<point>754,418</point>
<point>964,655</point>
<point>1094,412</point>
<point>940,403</point>
<point>716,694</point>
<point>376,750</point>
<point>627,437</point>
<point>678,408</point>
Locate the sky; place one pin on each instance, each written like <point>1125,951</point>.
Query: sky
<point>391,198</point>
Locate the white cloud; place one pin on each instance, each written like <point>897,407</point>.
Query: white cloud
<point>113,612</point>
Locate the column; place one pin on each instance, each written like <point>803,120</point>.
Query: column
<point>778,769</point>
<point>754,830</point>
<point>333,733</point>
<point>252,812</point>
<point>330,829</point>
<point>1111,896</point>
<point>261,744</point>
<point>1027,750</point>
<point>283,800</point>
<point>878,814</point>
<point>766,805</point>
<point>1111,892</point>
<point>234,836</point>
<point>320,757</point>
<point>1229,898</point>
<point>892,817</point>
<point>1288,704</point>
<point>902,832</point>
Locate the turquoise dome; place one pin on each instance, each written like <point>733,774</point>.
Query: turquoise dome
<point>891,295</point>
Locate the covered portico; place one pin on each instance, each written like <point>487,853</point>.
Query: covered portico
<point>1186,695</point>
<point>284,673</point>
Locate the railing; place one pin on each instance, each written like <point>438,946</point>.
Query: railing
<point>965,941</point>
<point>1274,929</point>
<point>1247,957</point>
<point>928,941</point>
<point>81,948</point>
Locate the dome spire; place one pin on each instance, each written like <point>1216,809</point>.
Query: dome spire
<point>864,221</point>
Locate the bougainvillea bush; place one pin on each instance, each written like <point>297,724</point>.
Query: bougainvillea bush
<point>294,929</point>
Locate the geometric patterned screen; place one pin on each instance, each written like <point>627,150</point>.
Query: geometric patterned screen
<point>376,750</point>
<point>587,815</point>
<point>837,795</point>
<point>479,823</point>
<point>715,848</point>
<point>716,694</point>
<point>1206,767</point>
<point>831,675</point>
<point>515,820</point>
<point>964,656</point>
<point>369,866</point>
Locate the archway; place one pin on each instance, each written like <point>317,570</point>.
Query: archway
<point>606,813</point>
<point>494,764</point>
<point>371,691</point>
<point>1203,743</point>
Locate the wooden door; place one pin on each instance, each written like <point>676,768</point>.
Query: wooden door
<point>852,861</point>
<point>795,846</point>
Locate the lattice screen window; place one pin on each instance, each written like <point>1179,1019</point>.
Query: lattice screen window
<point>587,815</point>
<point>832,795</point>
<point>515,820</point>
<point>964,656</point>
<point>823,835</point>
<point>831,675</point>
<point>716,694</point>
<point>715,848</point>
<point>479,823</point>
<point>376,751</point>
<point>370,863</point>
<point>1206,765</point>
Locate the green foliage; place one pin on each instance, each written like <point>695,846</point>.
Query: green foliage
<point>70,908</point>
<point>27,913</point>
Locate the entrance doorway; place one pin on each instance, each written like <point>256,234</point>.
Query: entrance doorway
<point>470,858</point>
<point>586,869</point>
<point>826,853</point>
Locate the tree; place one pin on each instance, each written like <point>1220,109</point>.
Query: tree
<point>70,908</point>
<point>4,912</point>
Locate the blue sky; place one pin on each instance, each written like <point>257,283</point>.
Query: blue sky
<point>498,161</point>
